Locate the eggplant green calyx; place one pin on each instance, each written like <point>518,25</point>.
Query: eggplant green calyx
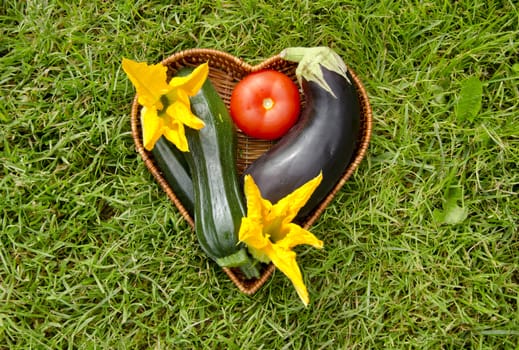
<point>311,59</point>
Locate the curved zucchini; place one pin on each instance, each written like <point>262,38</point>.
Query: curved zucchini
<point>324,138</point>
<point>172,163</point>
<point>218,205</point>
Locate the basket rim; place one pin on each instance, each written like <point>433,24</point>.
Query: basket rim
<point>186,57</point>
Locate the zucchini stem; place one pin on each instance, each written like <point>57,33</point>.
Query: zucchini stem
<point>311,59</point>
<point>250,270</point>
<point>241,260</point>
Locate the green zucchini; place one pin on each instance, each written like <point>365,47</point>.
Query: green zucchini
<point>218,200</point>
<point>173,165</point>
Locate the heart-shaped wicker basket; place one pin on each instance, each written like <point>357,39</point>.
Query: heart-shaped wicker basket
<point>225,71</point>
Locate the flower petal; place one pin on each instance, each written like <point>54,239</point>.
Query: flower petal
<point>180,96</point>
<point>285,261</point>
<point>257,206</point>
<point>251,234</point>
<point>175,133</point>
<point>180,112</point>
<point>149,80</point>
<point>297,236</point>
<point>288,206</point>
<point>193,82</point>
<point>151,127</point>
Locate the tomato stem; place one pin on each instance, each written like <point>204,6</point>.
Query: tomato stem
<point>268,103</point>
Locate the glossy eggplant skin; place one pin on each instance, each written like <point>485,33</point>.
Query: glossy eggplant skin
<point>323,139</point>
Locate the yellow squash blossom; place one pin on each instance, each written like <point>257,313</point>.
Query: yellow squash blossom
<point>166,108</point>
<point>269,233</point>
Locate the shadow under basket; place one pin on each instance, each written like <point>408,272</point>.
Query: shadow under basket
<point>225,71</point>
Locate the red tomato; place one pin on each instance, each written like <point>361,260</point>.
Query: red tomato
<point>265,104</point>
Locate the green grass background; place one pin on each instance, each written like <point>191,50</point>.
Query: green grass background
<point>94,256</point>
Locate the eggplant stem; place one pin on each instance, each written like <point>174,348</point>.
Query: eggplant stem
<point>311,59</point>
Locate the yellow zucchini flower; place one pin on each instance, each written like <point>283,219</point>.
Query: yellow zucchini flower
<point>269,233</point>
<point>165,106</point>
